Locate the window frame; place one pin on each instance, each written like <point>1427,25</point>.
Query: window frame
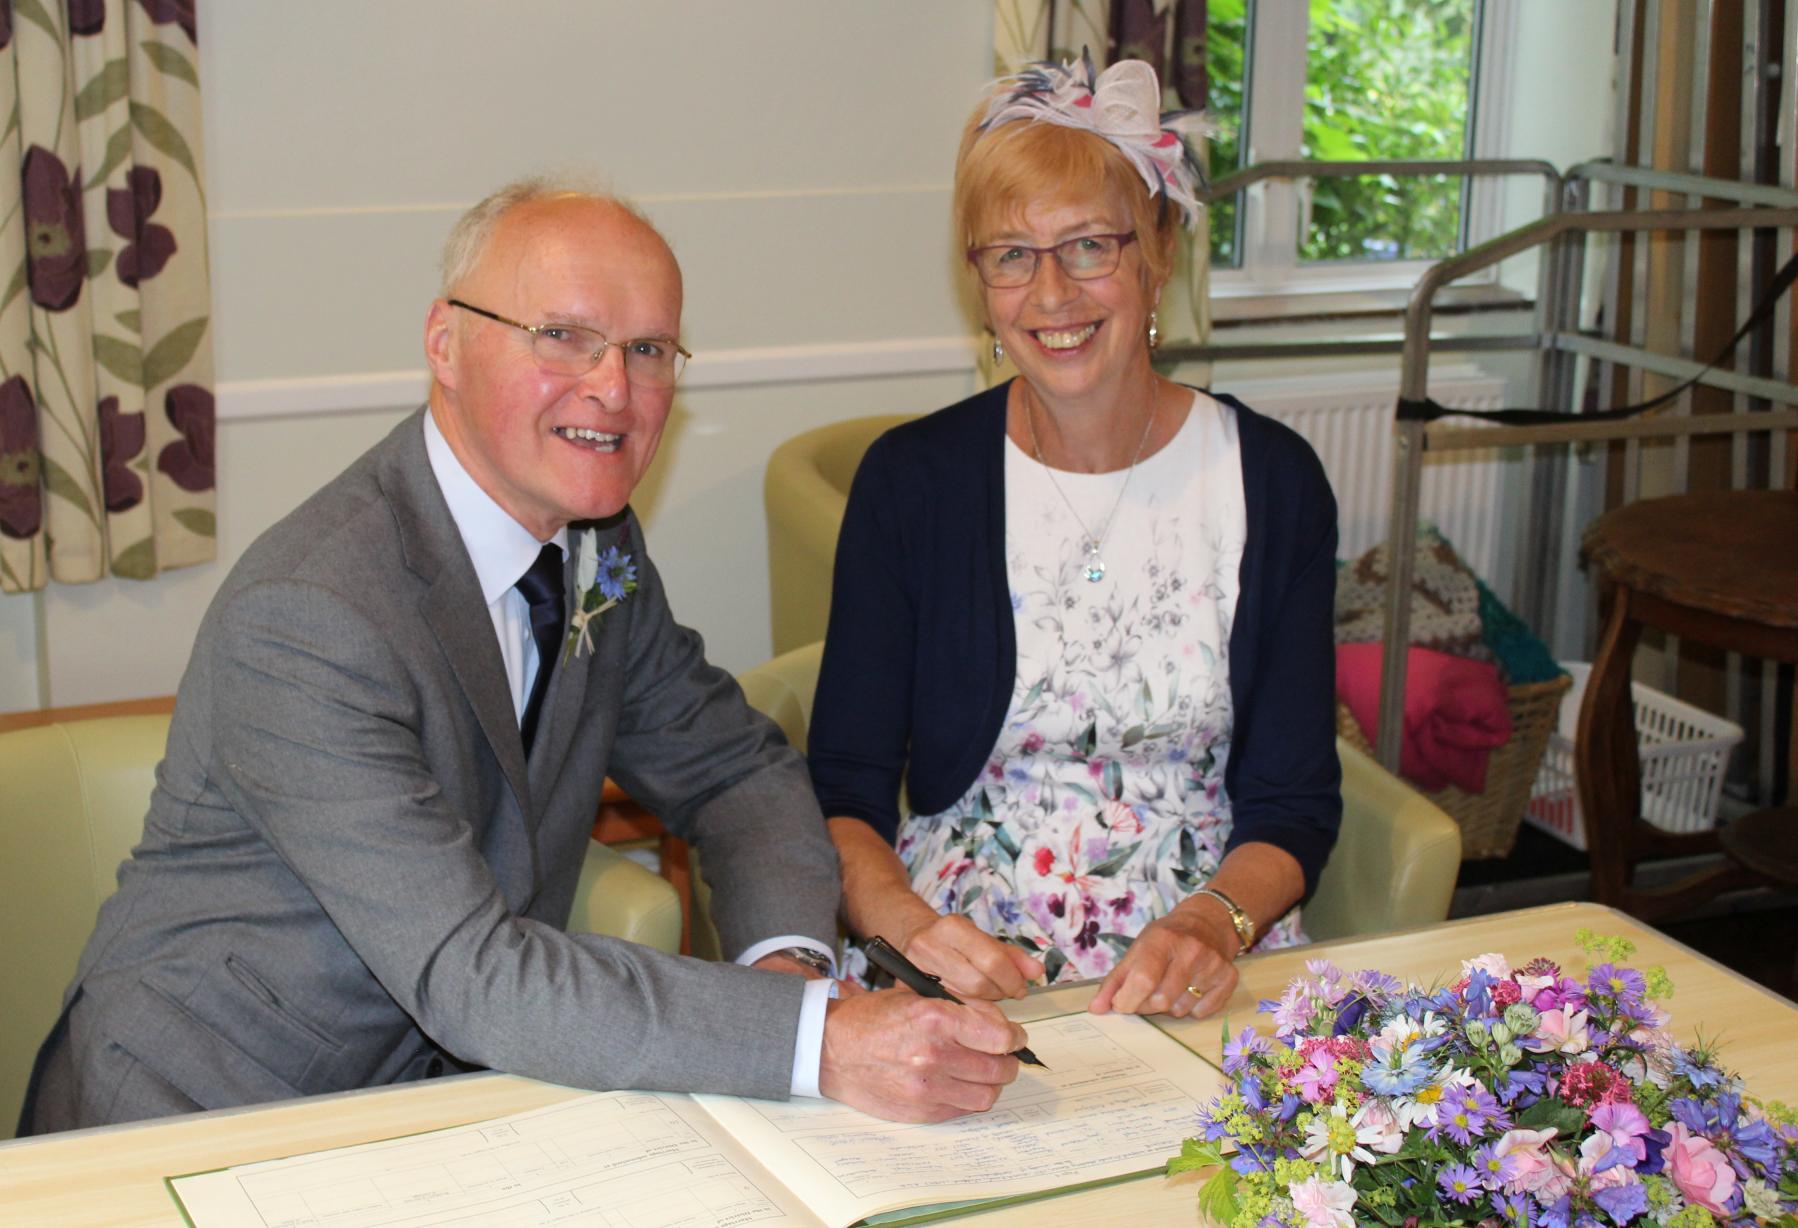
<point>1269,277</point>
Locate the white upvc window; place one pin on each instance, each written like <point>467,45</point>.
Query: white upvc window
<point>1340,79</point>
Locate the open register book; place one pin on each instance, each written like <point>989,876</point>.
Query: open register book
<point>1116,1101</point>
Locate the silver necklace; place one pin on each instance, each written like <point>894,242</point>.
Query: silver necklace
<point>1094,570</point>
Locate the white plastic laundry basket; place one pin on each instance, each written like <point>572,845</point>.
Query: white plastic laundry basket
<point>1684,752</point>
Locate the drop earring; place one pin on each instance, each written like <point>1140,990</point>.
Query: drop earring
<point>998,351</point>
<point>1154,332</point>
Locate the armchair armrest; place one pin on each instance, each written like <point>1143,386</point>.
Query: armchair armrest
<point>620,898</point>
<point>1395,862</point>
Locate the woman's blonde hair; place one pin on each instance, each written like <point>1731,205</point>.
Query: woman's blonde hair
<point>1001,171</point>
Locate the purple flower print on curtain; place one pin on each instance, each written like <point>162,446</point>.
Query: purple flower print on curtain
<point>188,461</point>
<point>87,16</point>
<point>181,12</point>
<point>107,462</point>
<point>21,497</point>
<point>128,213</point>
<point>56,238</point>
<point>1191,74</point>
<point>121,440</point>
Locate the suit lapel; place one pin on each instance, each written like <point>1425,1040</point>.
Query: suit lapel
<point>452,606</point>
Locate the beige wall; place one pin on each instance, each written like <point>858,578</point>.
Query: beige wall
<point>798,155</point>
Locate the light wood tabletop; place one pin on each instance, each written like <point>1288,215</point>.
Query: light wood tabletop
<point>114,1176</point>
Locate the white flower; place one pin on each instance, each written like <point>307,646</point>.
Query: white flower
<point>1372,1129</point>
<point>1419,1108</point>
<point>1760,1201</point>
<point>586,564</point>
<point>1400,1030</point>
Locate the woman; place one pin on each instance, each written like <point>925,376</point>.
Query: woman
<point>1085,615</point>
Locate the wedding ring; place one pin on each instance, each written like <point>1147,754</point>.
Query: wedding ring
<point>1195,991</point>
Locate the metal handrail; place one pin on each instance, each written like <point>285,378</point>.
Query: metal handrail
<point>1603,170</point>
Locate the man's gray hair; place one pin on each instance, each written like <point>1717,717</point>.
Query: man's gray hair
<point>468,237</point>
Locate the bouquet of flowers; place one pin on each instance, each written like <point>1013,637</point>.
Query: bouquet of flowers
<point>1512,1097</point>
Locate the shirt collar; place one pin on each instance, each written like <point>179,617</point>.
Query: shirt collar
<point>500,548</point>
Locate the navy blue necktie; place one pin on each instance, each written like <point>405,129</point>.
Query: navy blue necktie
<point>542,589</point>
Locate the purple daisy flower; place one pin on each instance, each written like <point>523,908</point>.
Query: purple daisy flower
<point>1494,1170</point>
<point>1245,1045</point>
<point>1459,1182</point>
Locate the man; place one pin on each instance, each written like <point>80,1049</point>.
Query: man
<point>388,749</point>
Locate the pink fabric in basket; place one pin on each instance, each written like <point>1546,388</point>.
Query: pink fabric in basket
<point>1456,712</point>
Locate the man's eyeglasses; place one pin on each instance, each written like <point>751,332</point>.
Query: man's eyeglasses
<point>569,349</point>
<point>1005,266</point>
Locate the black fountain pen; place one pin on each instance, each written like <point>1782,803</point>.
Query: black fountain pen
<point>885,956</point>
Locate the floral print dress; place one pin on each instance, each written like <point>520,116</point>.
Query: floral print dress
<point>1102,805</point>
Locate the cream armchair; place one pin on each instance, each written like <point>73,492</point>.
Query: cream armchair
<point>804,491</point>
<point>71,808</point>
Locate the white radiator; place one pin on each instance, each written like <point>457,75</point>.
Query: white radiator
<point>1348,419</point>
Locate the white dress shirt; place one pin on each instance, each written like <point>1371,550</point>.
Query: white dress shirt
<point>502,550</point>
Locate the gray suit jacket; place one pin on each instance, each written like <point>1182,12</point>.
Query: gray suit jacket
<point>349,872</point>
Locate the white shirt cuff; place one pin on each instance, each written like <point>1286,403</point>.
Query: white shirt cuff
<point>808,1042</point>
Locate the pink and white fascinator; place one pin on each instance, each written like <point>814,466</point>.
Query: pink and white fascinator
<point>1122,105</point>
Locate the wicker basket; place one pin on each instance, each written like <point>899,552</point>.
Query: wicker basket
<point>1489,820</point>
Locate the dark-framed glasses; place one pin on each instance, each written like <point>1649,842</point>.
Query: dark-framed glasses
<point>569,349</point>
<point>1005,266</point>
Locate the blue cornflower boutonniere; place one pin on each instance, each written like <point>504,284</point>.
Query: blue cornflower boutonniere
<point>601,581</point>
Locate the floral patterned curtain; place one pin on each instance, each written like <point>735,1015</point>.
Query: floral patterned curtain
<point>1170,34</point>
<point>106,407</point>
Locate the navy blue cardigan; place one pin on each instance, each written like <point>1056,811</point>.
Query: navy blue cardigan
<point>921,654</point>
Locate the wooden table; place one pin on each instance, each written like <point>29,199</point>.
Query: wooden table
<point>113,1176</point>
<point>1718,567</point>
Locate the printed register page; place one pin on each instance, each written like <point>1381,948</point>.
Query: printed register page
<point>1116,1100</point>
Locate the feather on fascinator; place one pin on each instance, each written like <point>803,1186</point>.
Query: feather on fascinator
<point>1121,105</point>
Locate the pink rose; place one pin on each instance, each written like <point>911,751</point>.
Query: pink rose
<point>1492,964</point>
<point>1323,1204</point>
<point>1700,1171</point>
<point>1539,1171</point>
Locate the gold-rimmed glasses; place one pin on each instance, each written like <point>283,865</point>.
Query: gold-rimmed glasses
<point>570,349</point>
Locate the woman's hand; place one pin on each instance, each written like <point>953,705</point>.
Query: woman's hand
<point>878,899</point>
<point>1187,950</point>
<point>971,962</point>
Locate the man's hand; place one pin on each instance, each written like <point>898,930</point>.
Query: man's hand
<point>906,1058</point>
<point>1173,955</point>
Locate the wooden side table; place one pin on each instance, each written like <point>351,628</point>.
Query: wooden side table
<point>1718,567</point>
